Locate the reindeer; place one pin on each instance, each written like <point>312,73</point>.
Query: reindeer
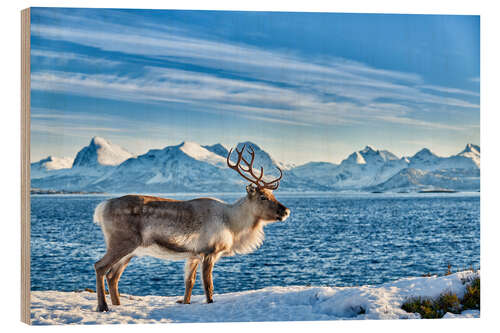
<point>198,231</point>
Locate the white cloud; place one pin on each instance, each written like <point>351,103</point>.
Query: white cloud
<point>271,86</point>
<point>64,57</point>
<point>450,90</point>
<point>420,123</point>
<point>69,130</point>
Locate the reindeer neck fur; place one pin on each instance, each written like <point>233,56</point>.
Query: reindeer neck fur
<point>245,225</point>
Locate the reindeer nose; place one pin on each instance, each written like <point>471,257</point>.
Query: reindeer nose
<point>284,212</point>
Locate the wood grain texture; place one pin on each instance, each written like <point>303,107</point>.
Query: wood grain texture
<point>25,166</point>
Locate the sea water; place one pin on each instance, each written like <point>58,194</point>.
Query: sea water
<point>332,239</point>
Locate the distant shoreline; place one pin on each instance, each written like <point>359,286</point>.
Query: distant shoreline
<point>40,191</point>
<point>281,193</point>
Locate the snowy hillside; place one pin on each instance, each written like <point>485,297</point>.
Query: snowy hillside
<point>268,304</point>
<point>367,167</point>
<point>217,149</point>
<point>469,158</point>
<point>323,171</point>
<point>91,163</point>
<point>190,167</point>
<point>473,152</point>
<point>186,167</point>
<point>410,179</point>
<point>262,158</point>
<point>42,167</point>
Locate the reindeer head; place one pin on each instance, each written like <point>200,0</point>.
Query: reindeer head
<point>259,192</point>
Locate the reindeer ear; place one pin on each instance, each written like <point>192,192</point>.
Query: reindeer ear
<point>251,189</point>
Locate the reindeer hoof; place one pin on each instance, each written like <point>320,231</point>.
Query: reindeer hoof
<point>210,300</point>
<point>181,301</point>
<point>102,308</point>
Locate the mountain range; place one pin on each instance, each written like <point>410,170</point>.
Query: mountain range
<point>190,167</point>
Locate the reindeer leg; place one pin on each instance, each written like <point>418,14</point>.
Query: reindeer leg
<point>112,256</point>
<point>207,268</point>
<point>113,277</point>
<point>189,278</point>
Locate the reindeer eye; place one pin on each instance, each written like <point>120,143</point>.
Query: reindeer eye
<point>263,197</point>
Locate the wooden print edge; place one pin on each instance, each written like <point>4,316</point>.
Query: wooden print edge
<point>25,165</point>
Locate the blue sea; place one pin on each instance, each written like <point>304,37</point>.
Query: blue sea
<point>334,239</point>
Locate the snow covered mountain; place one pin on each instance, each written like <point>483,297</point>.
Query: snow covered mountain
<point>91,163</point>
<point>190,167</point>
<point>427,171</point>
<point>410,180</point>
<point>217,149</point>
<point>185,167</point>
<point>42,167</point>
<point>469,158</point>
<point>318,170</point>
<point>472,152</point>
<point>367,167</point>
<point>100,152</point>
<point>262,158</point>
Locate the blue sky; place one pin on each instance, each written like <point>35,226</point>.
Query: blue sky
<point>304,86</point>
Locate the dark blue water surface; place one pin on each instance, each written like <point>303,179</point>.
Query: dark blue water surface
<point>329,240</point>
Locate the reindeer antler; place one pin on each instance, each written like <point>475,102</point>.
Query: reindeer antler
<point>261,184</point>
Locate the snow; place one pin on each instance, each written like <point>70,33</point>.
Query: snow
<point>315,170</point>
<point>360,159</point>
<point>56,163</point>
<point>294,303</point>
<point>159,178</point>
<point>472,152</point>
<point>217,149</point>
<point>200,153</point>
<point>50,163</point>
<point>464,314</point>
<point>101,152</point>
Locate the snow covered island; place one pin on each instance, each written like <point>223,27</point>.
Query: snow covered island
<point>269,304</point>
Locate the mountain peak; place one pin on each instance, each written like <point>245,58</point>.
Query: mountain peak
<point>369,155</point>
<point>200,153</point>
<point>262,157</point>
<point>100,152</point>
<point>53,163</point>
<point>471,148</point>
<point>98,141</point>
<point>368,149</point>
<point>424,153</point>
<point>218,149</point>
<point>189,144</point>
<point>248,144</point>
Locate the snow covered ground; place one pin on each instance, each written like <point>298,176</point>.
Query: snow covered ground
<point>268,304</point>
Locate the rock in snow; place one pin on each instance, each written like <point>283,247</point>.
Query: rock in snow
<point>294,303</point>
<point>190,167</point>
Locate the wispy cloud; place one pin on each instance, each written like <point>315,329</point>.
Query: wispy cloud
<point>69,56</point>
<point>70,130</point>
<point>264,84</point>
<point>420,123</point>
<point>246,99</point>
<point>58,115</point>
<point>450,90</point>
